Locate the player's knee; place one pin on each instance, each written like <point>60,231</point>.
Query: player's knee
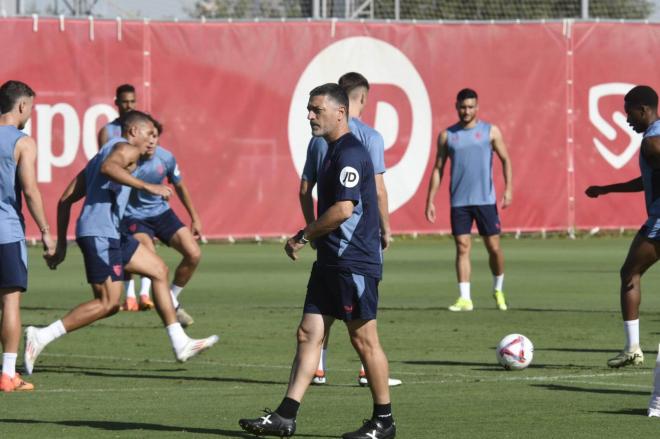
<point>193,256</point>
<point>160,271</point>
<point>627,274</point>
<point>307,335</point>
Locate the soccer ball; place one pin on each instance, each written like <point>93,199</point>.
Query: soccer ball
<point>515,352</point>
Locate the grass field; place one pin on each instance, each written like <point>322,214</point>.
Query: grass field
<point>117,378</point>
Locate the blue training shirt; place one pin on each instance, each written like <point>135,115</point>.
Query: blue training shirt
<point>347,173</point>
<point>12,225</point>
<point>113,129</point>
<point>162,164</point>
<point>370,138</point>
<point>105,200</point>
<point>471,157</point>
<point>650,176</point>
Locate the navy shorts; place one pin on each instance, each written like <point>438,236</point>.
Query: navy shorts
<point>337,292</point>
<point>162,226</point>
<point>106,257</point>
<point>13,265</point>
<point>486,217</point>
<point>651,229</point>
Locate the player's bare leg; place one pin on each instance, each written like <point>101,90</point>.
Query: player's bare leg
<point>496,263</point>
<point>463,270</point>
<point>643,253</point>
<point>145,282</point>
<point>10,334</point>
<point>185,243</point>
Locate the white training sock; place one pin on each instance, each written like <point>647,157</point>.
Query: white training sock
<point>178,338</point>
<point>52,332</point>
<point>130,288</point>
<point>464,290</point>
<point>175,290</point>
<point>324,353</point>
<point>631,328</point>
<point>9,363</point>
<point>498,282</point>
<point>145,286</point>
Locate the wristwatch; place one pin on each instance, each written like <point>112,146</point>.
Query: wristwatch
<point>300,237</point>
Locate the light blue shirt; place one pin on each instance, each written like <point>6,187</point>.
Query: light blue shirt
<point>12,226</point>
<point>105,200</point>
<point>113,129</point>
<point>162,164</point>
<point>471,155</point>
<point>370,138</point>
<point>650,176</point>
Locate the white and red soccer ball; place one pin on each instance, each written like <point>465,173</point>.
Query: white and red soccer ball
<point>515,352</point>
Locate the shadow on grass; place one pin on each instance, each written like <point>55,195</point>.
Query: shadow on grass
<point>133,375</point>
<point>124,426</point>
<point>604,351</point>
<point>563,388</point>
<point>633,412</point>
<point>488,366</point>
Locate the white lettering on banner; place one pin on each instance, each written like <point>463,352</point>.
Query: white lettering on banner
<point>597,92</point>
<point>380,63</point>
<point>45,114</point>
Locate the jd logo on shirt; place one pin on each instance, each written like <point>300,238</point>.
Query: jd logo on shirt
<point>349,177</point>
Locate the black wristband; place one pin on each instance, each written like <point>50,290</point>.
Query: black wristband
<point>300,237</point>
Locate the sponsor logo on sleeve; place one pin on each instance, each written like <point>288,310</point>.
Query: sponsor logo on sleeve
<point>349,177</point>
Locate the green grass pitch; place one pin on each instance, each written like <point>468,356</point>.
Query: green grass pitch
<point>118,378</point>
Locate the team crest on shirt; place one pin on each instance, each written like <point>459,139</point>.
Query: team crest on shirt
<point>477,135</point>
<point>349,177</point>
<point>160,169</point>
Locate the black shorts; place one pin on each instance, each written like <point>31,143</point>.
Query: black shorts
<point>339,293</point>
<point>162,226</point>
<point>106,257</point>
<point>13,265</point>
<point>486,217</point>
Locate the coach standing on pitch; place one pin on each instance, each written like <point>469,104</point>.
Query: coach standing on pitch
<point>344,280</point>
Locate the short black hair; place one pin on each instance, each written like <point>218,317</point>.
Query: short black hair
<point>642,95</point>
<point>11,92</point>
<point>352,80</point>
<point>124,88</point>
<point>335,92</point>
<point>466,93</point>
<point>131,118</point>
<point>158,125</point>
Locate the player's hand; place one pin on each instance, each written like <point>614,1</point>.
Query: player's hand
<point>57,258</point>
<point>507,199</point>
<point>48,244</point>
<point>292,246</point>
<point>312,244</point>
<point>159,189</point>
<point>196,228</point>
<point>430,212</point>
<point>594,191</point>
<point>385,240</point>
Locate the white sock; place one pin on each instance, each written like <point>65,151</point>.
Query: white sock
<point>498,282</point>
<point>145,286</point>
<point>178,338</point>
<point>656,381</point>
<point>9,364</point>
<point>631,328</point>
<point>130,288</point>
<point>324,353</point>
<point>175,290</point>
<point>464,290</point>
<point>52,332</point>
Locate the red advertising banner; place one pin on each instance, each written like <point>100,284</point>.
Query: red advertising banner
<point>232,98</point>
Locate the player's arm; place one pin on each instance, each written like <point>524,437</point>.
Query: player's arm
<point>634,185</point>
<point>74,191</point>
<point>26,159</point>
<point>326,223</point>
<point>102,137</point>
<point>436,176</point>
<point>116,165</point>
<point>186,200</point>
<point>376,148</point>
<point>500,149</point>
<point>306,200</point>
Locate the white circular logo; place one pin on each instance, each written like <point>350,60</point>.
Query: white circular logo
<point>380,63</point>
<point>349,177</point>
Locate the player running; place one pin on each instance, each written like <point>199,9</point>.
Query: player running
<point>125,101</point>
<point>18,157</point>
<point>356,87</point>
<point>344,280</point>
<point>105,184</point>
<point>148,216</point>
<point>470,144</point>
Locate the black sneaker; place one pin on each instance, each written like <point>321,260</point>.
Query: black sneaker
<point>372,429</point>
<point>271,424</point>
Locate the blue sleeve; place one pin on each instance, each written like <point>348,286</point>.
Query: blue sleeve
<point>350,171</point>
<point>376,148</point>
<point>310,171</point>
<point>173,173</point>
